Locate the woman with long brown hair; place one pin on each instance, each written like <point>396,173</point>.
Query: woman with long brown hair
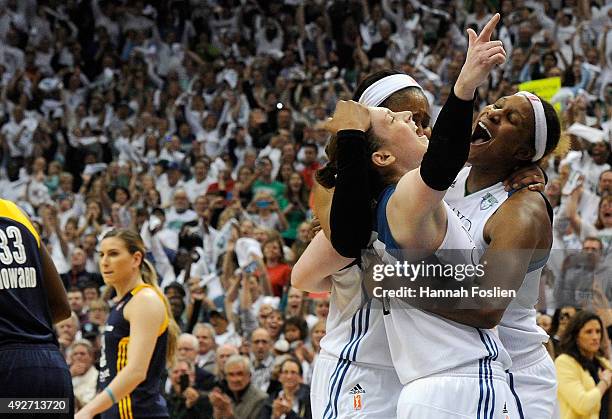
<point>584,375</point>
<point>296,210</point>
<point>140,334</point>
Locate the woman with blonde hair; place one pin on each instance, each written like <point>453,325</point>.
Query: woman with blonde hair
<point>140,335</point>
<point>317,332</point>
<point>584,376</point>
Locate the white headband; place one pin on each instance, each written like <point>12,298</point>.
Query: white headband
<point>379,91</point>
<point>540,124</point>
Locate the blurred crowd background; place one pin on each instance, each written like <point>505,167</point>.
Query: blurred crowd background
<point>197,123</point>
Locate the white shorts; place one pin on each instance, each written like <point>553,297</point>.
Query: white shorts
<point>342,389</point>
<point>474,392</point>
<point>533,382</point>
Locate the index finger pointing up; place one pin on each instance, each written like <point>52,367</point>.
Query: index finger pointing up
<point>485,35</point>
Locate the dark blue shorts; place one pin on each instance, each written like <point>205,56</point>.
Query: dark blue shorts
<point>35,371</point>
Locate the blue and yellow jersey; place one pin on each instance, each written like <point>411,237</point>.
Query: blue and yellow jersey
<point>146,400</point>
<point>24,309</point>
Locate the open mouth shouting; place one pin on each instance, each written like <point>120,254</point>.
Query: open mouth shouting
<point>481,134</point>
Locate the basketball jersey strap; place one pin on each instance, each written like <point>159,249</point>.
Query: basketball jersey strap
<point>164,324</point>
<point>549,208</point>
<point>538,264</point>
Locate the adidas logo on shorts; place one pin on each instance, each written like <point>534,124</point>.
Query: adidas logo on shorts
<point>357,390</point>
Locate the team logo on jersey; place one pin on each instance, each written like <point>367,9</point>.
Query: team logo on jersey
<point>357,402</point>
<point>357,393</point>
<point>487,202</point>
<point>357,390</point>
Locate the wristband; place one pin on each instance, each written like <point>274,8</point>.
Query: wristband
<point>110,394</point>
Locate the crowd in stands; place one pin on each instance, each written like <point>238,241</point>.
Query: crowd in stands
<point>198,124</point>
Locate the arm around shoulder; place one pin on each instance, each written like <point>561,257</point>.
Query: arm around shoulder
<point>319,261</point>
<point>518,233</point>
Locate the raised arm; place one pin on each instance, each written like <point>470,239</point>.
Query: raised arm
<point>230,296</point>
<point>307,274</point>
<point>300,21</point>
<point>419,192</point>
<point>351,199</point>
<point>56,293</point>
<point>571,209</point>
<point>246,318</point>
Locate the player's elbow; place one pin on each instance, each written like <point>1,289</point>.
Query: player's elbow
<point>64,314</point>
<point>60,313</point>
<point>488,318</point>
<point>301,275</point>
<point>308,281</point>
<point>301,280</point>
<point>141,376</point>
<point>138,374</point>
<point>350,247</point>
<point>349,240</point>
<point>297,279</point>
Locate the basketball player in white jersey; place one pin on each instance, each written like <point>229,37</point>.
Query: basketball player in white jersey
<point>426,231</point>
<point>515,131</point>
<point>354,364</point>
<point>448,369</point>
<point>522,218</point>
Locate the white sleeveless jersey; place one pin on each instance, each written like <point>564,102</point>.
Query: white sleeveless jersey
<point>517,329</point>
<point>354,329</point>
<point>422,343</point>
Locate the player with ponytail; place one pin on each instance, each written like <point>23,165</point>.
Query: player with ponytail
<point>139,337</point>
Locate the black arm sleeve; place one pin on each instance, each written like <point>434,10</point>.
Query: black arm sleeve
<point>351,218</point>
<point>449,145</point>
